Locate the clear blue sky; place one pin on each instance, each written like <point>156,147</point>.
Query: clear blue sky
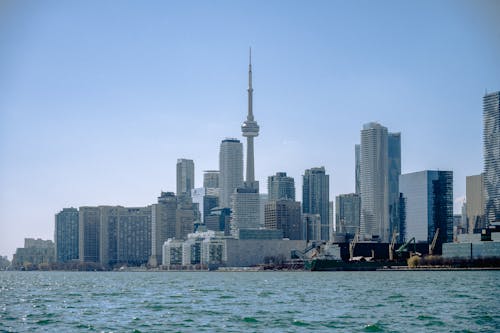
<point>99,98</point>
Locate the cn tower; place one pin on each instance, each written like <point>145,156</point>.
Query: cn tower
<point>250,129</point>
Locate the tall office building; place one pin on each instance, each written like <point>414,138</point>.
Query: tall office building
<point>284,215</point>
<point>186,215</point>
<point>163,221</point>
<point>475,203</point>
<point>211,179</point>
<point>379,170</point>
<point>231,169</point>
<point>394,169</point>
<point>316,198</point>
<point>89,225</point>
<point>357,168</point>
<point>66,235</point>
<point>185,176</point>
<point>281,187</point>
<point>347,215</point>
<point>206,199</point>
<point>491,142</point>
<point>428,198</point>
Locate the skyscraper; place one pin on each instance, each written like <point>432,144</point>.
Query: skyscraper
<point>428,197</point>
<point>66,235</point>
<point>281,187</point>
<point>89,225</point>
<point>357,168</point>
<point>185,176</point>
<point>284,215</point>
<point>491,142</point>
<point>163,221</point>
<point>379,161</point>
<point>316,198</point>
<point>231,169</point>
<point>374,185</point>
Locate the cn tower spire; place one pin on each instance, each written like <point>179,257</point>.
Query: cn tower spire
<point>250,129</point>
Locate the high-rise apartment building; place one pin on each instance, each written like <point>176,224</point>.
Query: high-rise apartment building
<point>163,221</point>
<point>379,170</point>
<point>491,143</point>
<point>89,225</point>
<point>245,207</point>
<point>281,187</point>
<point>347,214</point>
<point>185,176</point>
<point>475,203</point>
<point>428,198</point>
<point>284,215</point>
<point>66,235</point>
<point>231,169</point>
<point>211,179</point>
<point>316,198</point>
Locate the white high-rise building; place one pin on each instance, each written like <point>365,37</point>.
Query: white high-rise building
<point>374,182</point>
<point>491,142</point>
<point>231,169</point>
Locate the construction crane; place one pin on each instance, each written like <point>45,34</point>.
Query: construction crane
<point>404,247</point>
<point>391,246</point>
<point>352,246</point>
<point>434,241</point>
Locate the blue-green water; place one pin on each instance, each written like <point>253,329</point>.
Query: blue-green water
<point>250,301</point>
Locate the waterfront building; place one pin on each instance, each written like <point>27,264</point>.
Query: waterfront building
<point>284,215</point>
<point>245,207</point>
<point>281,187</point>
<point>34,253</point>
<point>89,234</point>
<point>491,143</point>
<point>348,213</point>
<point>379,170</point>
<point>163,221</point>
<point>428,197</point>
<point>315,198</point>
<point>231,169</point>
<point>475,196</point>
<point>185,176</point>
<point>172,252</point>
<point>66,235</point>
<point>211,179</point>
<point>357,168</point>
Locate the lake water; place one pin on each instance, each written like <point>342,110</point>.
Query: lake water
<point>442,301</point>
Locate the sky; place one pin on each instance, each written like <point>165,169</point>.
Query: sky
<point>98,99</point>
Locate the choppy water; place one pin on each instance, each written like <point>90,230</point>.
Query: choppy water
<point>250,301</point>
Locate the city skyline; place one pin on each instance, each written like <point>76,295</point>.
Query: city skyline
<point>72,135</point>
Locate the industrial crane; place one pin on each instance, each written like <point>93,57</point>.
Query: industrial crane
<point>391,246</point>
<point>434,241</point>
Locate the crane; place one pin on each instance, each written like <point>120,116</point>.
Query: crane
<point>391,246</point>
<point>434,241</point>
<point>352,245</point>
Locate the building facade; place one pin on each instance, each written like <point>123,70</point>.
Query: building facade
<point>284,215</point>
<point>475,203</point>
<point>163,221</point>
<point>66,235</point>
<point>491,144</point>
<point>185,176</point>
<point>211,179</point>
<point>428,197</point>
<point>281,187</point>
<point>347,215</point>
<point>316,198</point>
<point>245,207</point>
<point>231,169</point>
<point>89,226</point>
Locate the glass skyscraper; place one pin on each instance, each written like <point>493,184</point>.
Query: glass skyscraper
<point>428,205</point>
<point>231,169</point>
<point>491,142</point>
<point>316,198</point>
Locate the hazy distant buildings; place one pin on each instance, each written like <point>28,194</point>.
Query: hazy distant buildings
<point>284,215</point>
<point>475,203</point>
<point>380,167</point>
<point>66,235</point>
<point>186,215</point>
<point>34,253</point>
<point>211,179</point>
<point>281,187</point>
<point>231,169</point>
<point>206,199</point>
<point>347,214</point>
<point>428,205</point>
<point>315,198</point>
<point>491,142</point>
<point>185,176</point>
